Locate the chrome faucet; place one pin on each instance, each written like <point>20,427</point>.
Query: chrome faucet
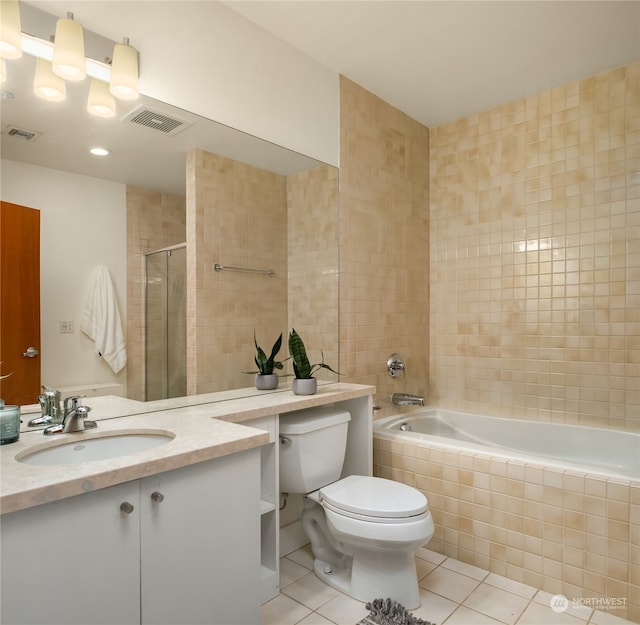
<point>74,418</point>
<point>407,399</point>
<point>50,411</point>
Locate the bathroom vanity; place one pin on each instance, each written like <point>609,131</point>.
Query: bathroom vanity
<point>184,532</point>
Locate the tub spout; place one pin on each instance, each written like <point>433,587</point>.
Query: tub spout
<point>407,399</point>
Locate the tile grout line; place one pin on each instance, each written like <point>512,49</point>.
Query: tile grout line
<point>480,582</point>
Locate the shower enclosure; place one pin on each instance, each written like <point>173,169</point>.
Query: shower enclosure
<point>166,323</point>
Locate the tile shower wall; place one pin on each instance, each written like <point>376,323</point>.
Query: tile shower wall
<point>236,215</point>
<point>384,242</point>
<point>535,256</point>
<point>312,227</point>
<point>154,220</point>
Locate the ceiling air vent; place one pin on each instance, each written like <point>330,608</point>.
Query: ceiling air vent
<point>169,125</point>
<point>21,133</point>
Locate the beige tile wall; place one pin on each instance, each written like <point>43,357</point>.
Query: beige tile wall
<point>236,215</point>
<point>240,215</point>
<point>312,208</point>
<point>384,242</point>
<point>535,256</point>
<point>560,531</point>
<point>154,220</point>
<point>534,273</point>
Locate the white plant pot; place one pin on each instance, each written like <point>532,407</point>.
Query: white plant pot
<point>304,386</point>
<point>266,382</point>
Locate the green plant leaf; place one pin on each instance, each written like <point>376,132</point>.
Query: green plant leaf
<point>276,348</point>
<point>301,365</point>
<point>267,365</point>
<point>323,365</point>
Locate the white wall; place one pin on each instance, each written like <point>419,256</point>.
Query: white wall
<point>204,57</point>
<point>82,225</point>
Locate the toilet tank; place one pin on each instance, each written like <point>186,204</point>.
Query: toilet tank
<point>312,447</point>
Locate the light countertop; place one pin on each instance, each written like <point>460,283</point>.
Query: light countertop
<point>208,428</point>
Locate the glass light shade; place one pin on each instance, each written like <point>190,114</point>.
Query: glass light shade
<point>68,51</point>
<point>101,103</point>
<point>3,70</point>
<point>46,84</point>
<point>124,72</point>
<point>10,40</point>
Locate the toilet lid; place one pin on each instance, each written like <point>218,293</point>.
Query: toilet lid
<point>375,497</point>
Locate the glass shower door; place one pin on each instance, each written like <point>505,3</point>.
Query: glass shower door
<point>166,324</point>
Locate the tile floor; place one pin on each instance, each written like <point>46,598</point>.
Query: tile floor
<point>453,593</point>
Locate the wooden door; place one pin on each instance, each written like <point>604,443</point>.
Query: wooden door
<point>19,303</point>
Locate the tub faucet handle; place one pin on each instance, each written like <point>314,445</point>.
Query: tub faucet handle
<point>395,365</point>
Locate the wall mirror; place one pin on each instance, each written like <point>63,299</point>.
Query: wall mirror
<point>149,143</point>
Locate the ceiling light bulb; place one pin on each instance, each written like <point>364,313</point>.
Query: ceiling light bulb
<point>101,103</point>
<point>68,51</point>
<point>124,72</point>
<point>10,38</point>
<point>46,84</point>
<point>99,151</point>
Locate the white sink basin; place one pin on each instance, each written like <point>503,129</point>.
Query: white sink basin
<point>111,445</point>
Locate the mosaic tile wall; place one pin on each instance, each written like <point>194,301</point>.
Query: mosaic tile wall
<point>236,215</point>
<point>154,220</point>
<point>312,208</point>
<point>535,256</point>
<point>384,243</point>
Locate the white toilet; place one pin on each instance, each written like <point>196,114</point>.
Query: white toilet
<point>363,530</point>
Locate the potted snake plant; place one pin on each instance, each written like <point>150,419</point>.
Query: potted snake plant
<point>304,383</point>
<point>266,379</point>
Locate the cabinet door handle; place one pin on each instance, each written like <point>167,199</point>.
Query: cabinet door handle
<point>126,507</point>
<point>157,497</point>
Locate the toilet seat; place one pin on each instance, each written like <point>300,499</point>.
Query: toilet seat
<point>374,499</point>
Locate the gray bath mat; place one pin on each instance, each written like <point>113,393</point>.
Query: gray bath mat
<point>389,612</point>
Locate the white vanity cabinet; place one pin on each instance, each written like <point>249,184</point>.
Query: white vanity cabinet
<point>74,561</point>
<point>178,547</point>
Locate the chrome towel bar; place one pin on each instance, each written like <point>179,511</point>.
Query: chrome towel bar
<point>269,272</point>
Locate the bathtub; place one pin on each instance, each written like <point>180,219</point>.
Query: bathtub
<point>613,453</point>
<point>551,505</point>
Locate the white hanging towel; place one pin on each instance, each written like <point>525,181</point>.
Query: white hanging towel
<point>101,321</point>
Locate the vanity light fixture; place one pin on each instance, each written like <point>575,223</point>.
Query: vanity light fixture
<point>68,51</point>
<point>101,103</point>
<point>66,61</point>
<point>124,71</point>
<point>46,85</point>
<point>10,44</point>
<point>100,151</point>
<point>41,49</point>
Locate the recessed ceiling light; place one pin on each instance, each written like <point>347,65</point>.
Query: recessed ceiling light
<point>99,151</point>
